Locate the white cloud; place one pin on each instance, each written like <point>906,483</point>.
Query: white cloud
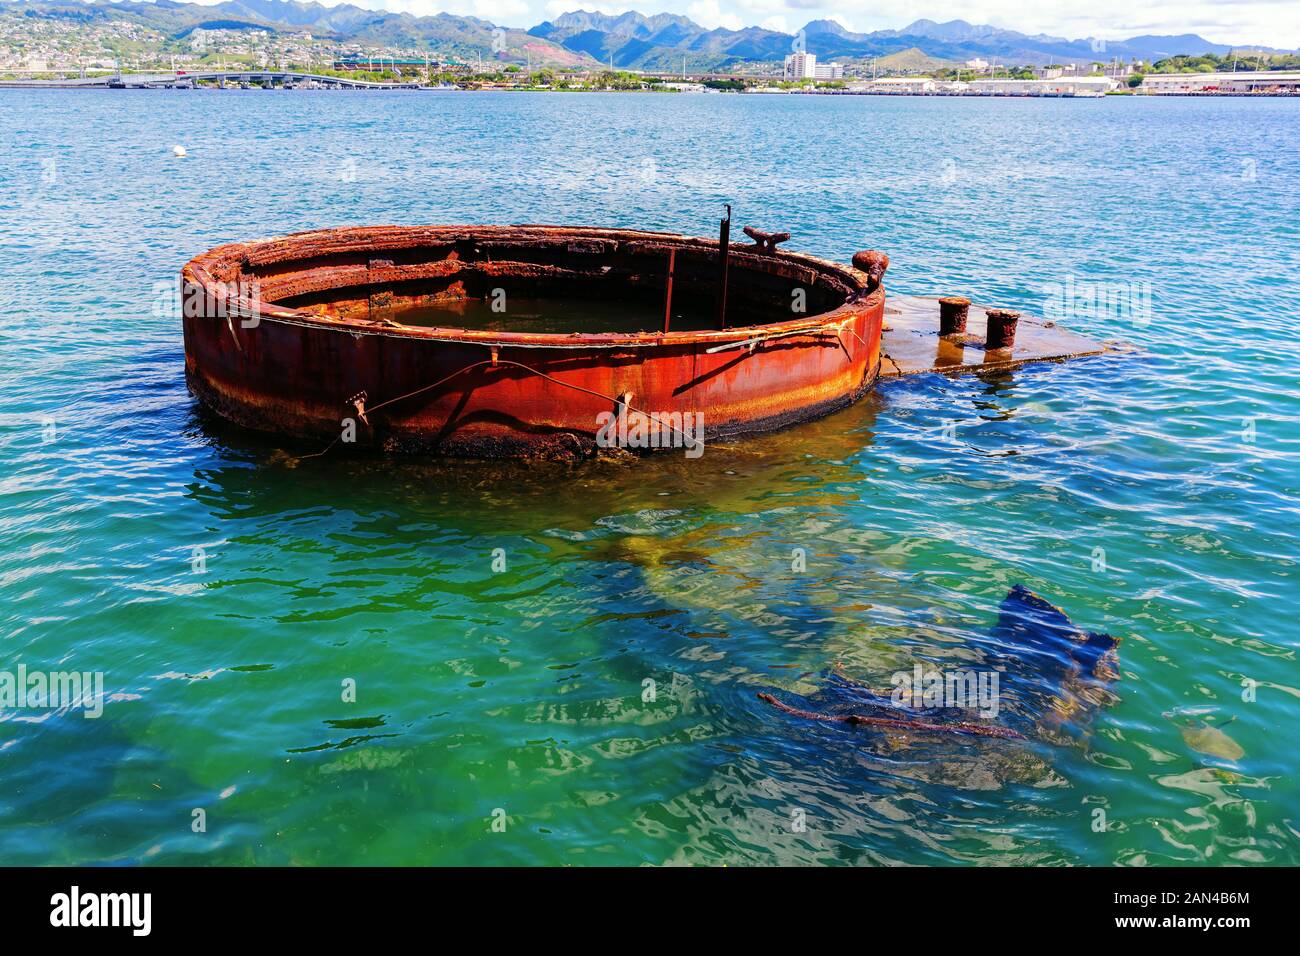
<point>556,7</point>
<point>508,12</point>
<point>502,11</point>
<point>709,13</point>
<point>418,8</point>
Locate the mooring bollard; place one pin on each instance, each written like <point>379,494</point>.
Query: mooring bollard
<point>873,264</point>
<point>1002,329</point>
<point>953,310</point>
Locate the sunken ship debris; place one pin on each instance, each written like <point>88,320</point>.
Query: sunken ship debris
<point>368,328</point>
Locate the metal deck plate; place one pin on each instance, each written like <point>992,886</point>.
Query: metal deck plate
<point>912,343</point>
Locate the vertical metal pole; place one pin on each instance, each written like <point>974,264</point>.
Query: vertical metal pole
<point>724,251</point>
<point>668,296</point>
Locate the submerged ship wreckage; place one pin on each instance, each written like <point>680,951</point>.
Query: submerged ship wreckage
<point>1052,679</point>
<point>515,341</point>
<point>530,340</point>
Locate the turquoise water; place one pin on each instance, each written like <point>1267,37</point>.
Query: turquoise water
<point>516,695</point>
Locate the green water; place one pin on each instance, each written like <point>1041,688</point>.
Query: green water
<point>501,622</point>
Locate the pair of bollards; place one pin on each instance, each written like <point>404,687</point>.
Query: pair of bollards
<point>954,309</point>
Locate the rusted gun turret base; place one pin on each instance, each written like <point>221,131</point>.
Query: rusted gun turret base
<point>912,342</point>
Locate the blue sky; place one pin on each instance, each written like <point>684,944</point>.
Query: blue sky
<point>1270,22</point>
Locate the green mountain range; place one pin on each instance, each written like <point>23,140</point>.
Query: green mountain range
<point>663,42</point>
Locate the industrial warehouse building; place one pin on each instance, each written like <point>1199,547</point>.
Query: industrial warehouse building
<point>895,84</point>
<point>1279,81</point>
<point>924,85</point>
<point>1061,86</point>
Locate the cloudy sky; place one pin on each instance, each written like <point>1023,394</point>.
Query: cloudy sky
<point>1269,22</point>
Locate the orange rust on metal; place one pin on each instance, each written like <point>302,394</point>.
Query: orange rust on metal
<point>668,295</point>
<point>766,241</point>
<point>1001,332</point>
<point>313,345</point>
<point>953,311</point>
<point>872,263</point>
<point>358,403</point>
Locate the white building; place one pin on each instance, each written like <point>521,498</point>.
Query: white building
<point>801,66</point>
<point>979,65</point>
<point>1064,86</point>
<point>913,85</point>
<point>804,66</point>
<point>1264,81</point>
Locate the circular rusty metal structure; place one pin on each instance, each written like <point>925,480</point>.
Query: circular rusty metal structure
<point>302,336</point>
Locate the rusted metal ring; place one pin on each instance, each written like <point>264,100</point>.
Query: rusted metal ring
<point>216,271</point>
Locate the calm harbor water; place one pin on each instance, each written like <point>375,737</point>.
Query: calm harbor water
<point>228,591</point>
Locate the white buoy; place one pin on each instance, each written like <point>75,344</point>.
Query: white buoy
<point>179,152</point>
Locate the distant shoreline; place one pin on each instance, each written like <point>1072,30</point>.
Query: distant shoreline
<point>365,87</point>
